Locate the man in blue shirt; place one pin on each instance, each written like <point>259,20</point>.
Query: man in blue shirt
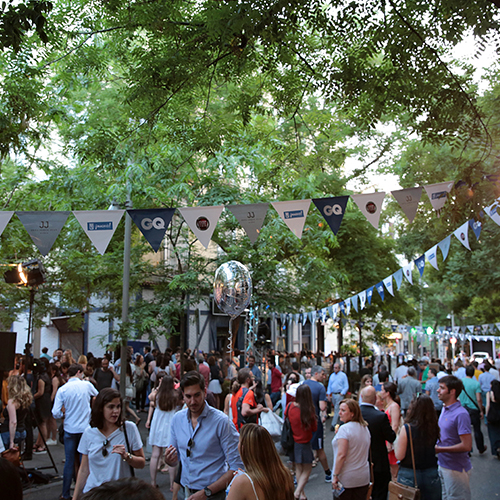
<point>205,442</point>
<point>254,368</point>
<point>338,386</point>
<point>431,389</point>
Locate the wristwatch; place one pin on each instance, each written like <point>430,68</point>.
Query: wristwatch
<point>208,492</point>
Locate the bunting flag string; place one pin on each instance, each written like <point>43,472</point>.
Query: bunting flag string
<point>5,219</point>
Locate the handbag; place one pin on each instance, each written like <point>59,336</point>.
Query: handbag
<point>493,416</point>
<point>132,471</point>
<point>287,441</point>
<point>398,491</point>
<point>13,456</point>
<point>272,422</point>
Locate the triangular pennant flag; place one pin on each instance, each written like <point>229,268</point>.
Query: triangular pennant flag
<point>304,319</point>
<point>476,226</point>
<point>202,221</point>
<point>420,263</point>
<point>408,200</point>
<point>373,325</point>
<point>297,318</point>
<point>4,220</point>
<point>444,245</point>
<point>313,317</point>
<point>369,294</point>
<point>493,211</point>
<point>388,284</point>
<point>43,227</point>
<point>437,193</point>
<point>333,210</point>
<point>407,273</point>
<point>463,329</point>
<point>251,217</point>
<point>323,314</point>
<point>347,303</point>
<point>330,312</point>
<point>398,278</point>
<point>431,256</point>
<point>498,326</point>
<point>456,329</point>
<point>354,302</point>
<point>470,328</point>
<point>335,310</point>
<point>342,308</point>
<point>380,289</point>
<point>152,223</point>
<point>362,299</point>
<point>485,328</point>
<point>293,213</point>
<point>99,225</point>
<point>371,206</point>
<point>462,234</point>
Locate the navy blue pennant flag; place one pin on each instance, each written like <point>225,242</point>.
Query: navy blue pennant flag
<point>342,308</point>
<point>153,223</point>
<point>380,289</point>
<point>333,210</point>
<point>369,295</point>
<point>420,263</point>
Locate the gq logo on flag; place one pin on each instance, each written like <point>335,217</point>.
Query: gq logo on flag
<point>156,223</point>
<point>99,226</point>
<point>294,214</point>
<point>332,210</point>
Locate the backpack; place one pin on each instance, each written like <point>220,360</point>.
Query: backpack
<point>252,419</point>
<point>287,442</point>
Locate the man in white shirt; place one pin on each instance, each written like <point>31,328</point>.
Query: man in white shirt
<point>401,371</point>
<point>75,397</point>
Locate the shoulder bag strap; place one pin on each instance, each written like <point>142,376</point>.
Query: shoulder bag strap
<point>412,456</point>
<point>475,404</point>
<point>132,471</point>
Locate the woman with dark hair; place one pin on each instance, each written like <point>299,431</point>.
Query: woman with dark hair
<point>141,380</point>
<point>392,404</point>
<point>106,443</point>
<point>43,403</point>
<point>261,397</point>
<point>351,446</point>
<point>421,420</point>
<point>216,379</point>
<point>130,393</point>
<point>266,477</point>
<point>163,403</point>
<point>493,417</point>
<point>302,416</point>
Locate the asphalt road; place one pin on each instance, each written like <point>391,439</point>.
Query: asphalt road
<point>484,478</point>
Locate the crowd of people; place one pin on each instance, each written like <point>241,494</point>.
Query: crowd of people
<point>215,422</point>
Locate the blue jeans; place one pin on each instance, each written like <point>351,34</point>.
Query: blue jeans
<point>18,437</point>
<point>428,481</point>
<point>71,442</point>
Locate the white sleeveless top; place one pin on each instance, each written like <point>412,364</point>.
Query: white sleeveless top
<point>240,472</point>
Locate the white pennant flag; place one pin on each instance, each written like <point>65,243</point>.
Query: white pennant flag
<point>388,284</point>
<point>99,225</point>
<point>293,213</point>
<point>362,299</point>
<point>444,245</point>
<point>408,200</point>
<point>202,221</point>
<point>347,304</point>
<point>462,234</point>
<point>407,273</point>
<point>431,256</point>
<point>438,193</point>
<point>494,211</point>
<point>335,308</point>
<point>4,220</point>
<point>371,206</point>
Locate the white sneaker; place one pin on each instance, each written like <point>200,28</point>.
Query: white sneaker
<point>51,442</point>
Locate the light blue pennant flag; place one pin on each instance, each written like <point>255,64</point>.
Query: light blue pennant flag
<point>323,315</point>
<point>330,312</point>
<point>444,245</point>
<point>407,273</point>
<point>398,278</point>
<point>476,226</point>
<point>333,210</point>
<point>470,328</point>
<point>347,303</point>
<point>304,318</point>
<point>314,315</point>
<point>354,302</point>
<point>420,263</point>
<point>362,300</point>
<point>493,211</point>
<point>297,318</point>
<point>431,256</point>
<point>369,294</point>
<point>498,326</point>
<point>380,289</point>
<point>462,234</point>
<point>388,284</point>
<point>485,328</point>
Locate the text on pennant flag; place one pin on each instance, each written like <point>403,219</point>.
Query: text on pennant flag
<point>251,217</point>
<point>293,214</point>
<point>152,223</point>
<point>408,200</point>
<point>99,225</point>
<point>333,210</point>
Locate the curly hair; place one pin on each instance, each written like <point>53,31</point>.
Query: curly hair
<point>19,391</point>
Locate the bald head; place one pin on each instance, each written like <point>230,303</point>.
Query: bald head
<point>369,395</point>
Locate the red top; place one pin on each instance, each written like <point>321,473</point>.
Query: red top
<point>275,380</point>
<point>300,435</point>
<point>249,399</point>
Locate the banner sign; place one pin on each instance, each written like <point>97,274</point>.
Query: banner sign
<point>431,256</point>
<point>371,206</point>
<point>369,294</point>
<point>462,234</point>
<point>4,220</point>
<point>420,263</point>
<point>444,245</point>
<point>380,289</point>
<point>362,299</point>
<point>388,284</point>
<point>202,221</point>
<point>293,213</point>
<point>152,223</point>
<point>333,210</point>
<point>408,200</point>
<point>476,226</point>
<point>438,193</point>
<point>398,278</point>
<point>354,302</point>
<point>43,227</point>
<point>99,225</point>
<point>251,217</point>
<point>407,273</point>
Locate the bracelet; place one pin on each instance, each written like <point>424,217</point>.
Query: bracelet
<point>129,456</point>
<point>336,475</point>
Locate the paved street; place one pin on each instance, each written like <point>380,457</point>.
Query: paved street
<point>484,478</point>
